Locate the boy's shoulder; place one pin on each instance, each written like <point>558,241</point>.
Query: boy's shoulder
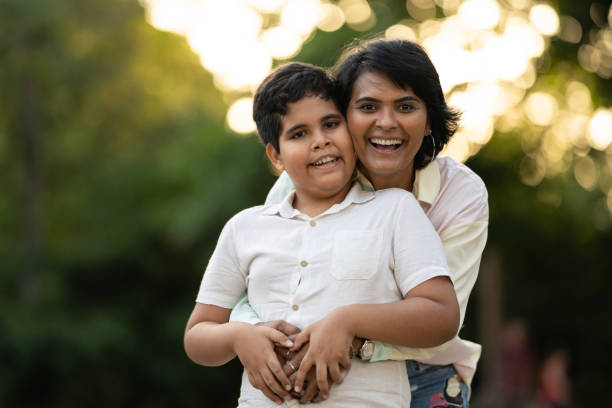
<point>249,214</point>
<point>394,195</point>
<point>389,200</point>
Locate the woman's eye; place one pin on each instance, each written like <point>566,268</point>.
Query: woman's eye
<point>368,107</point>
<point>404,107</point>
<point>331,125</point>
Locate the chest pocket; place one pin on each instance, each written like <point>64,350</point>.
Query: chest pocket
<point>356,254</point>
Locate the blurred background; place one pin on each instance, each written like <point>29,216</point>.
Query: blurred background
<point>126,143</point>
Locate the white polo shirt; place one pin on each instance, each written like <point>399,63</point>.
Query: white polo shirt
<point>455,200</point>
<point>371,248</point>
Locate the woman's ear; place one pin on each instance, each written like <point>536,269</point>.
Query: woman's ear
<point>275,158</point>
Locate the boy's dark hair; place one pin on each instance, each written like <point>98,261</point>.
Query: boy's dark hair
<point>406,64</point>
<point>287,84</point>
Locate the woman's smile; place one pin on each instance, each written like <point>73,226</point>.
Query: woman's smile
<point>387,124</point>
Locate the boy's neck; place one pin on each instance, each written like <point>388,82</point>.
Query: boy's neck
<point>313,206</point>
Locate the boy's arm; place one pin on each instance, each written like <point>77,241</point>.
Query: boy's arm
<point>427,316</point>
<point>211,341</point>
<point>463,246</point>
<point>242,311</point>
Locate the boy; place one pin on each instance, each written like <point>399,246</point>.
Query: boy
<point>330,258</point>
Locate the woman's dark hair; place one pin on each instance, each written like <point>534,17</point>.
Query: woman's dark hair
<point>407,65</point>
<point>287,84</point>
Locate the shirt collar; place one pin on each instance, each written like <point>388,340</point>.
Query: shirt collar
<point>357,194</point>
<point>426,183</point>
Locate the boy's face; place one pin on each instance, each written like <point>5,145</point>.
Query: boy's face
<point>315,149</point>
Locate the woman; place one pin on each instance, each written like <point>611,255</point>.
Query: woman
<point>399,123</point>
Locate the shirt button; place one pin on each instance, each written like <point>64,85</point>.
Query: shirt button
<point>312,223</point>
<point>295,307</point>
<point>304,264</point>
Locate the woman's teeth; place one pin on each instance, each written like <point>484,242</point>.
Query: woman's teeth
<point>386,142</point>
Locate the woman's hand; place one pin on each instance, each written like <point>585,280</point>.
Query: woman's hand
<point>254,346</point>
<point>330,351</point>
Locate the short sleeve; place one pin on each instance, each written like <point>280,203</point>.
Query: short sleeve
<point>417,250</point>
<point>224,280</point>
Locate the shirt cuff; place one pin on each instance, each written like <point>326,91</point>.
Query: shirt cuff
<point>243,312</point>
<point>382,352</point>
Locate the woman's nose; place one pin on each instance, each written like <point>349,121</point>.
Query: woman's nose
<point>386,119</point>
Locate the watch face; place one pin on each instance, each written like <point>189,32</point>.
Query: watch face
<point>367,350</point>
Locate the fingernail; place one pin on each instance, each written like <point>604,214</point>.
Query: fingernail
<point>296,389</point>
<point>288,387</point>
<point>289,343</point>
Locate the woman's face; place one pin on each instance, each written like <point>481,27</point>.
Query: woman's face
<point>387,124</point>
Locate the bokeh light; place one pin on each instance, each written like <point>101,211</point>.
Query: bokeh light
<point>487,53</point>
<point>240,116</point>
<point>545,19</point>
<point>600,129</point>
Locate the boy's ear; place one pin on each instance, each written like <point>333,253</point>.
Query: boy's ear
<point>274,158</point>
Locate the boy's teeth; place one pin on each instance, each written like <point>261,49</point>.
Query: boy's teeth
<point>386,142</point>
<point>324,160</point>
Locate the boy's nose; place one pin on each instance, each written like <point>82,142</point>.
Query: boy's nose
<point>320,141</point>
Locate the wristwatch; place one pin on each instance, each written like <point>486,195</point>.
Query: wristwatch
<point>366,351</point>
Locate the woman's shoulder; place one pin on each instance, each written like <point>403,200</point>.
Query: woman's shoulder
<point>462,197</point>
<point>459,176</point>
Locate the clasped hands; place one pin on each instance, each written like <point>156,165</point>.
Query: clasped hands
<point>320,356</point>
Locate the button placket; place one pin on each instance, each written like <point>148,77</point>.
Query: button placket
<point>303,263</point>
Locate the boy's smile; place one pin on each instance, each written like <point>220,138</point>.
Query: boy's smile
<point>316,151</point>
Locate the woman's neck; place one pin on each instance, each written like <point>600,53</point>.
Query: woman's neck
<point>404,180</point>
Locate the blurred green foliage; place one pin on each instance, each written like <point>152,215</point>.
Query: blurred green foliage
<point>118,173</point>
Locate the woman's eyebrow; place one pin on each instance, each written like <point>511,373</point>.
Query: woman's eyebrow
<point>402,99</point>
<point>408,98</point>
<point>368,99</point>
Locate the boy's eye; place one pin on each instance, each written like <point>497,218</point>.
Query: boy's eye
<point>298,134</point>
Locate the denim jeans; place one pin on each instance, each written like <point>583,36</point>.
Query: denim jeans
<point>435,386</point>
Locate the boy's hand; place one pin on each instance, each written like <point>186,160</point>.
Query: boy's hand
<point>254,346</point>
<point>282,326</point>
<point>330,351</point>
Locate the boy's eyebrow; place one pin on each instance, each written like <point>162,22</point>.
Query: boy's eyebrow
<point>294,128</point>
<point>402,99</point>
<point>330,116</point>
<point>301,125</point>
